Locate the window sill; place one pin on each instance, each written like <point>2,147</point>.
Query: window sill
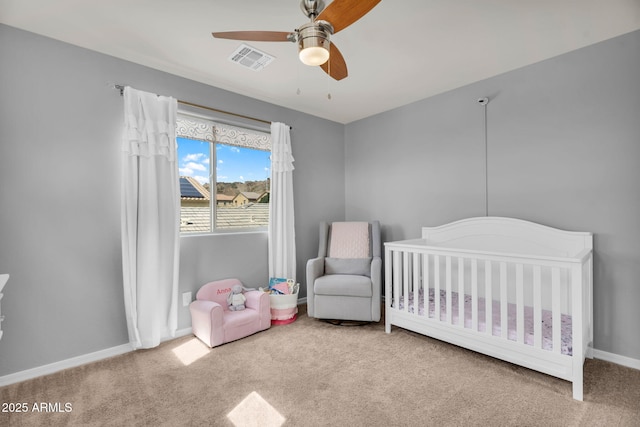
<point>225,233</point>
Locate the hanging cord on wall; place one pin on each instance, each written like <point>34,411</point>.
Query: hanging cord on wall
<point>483,102</point>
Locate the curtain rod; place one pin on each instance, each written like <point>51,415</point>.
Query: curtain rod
<point>191,104</point>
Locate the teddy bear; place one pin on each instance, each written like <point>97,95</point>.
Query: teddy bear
<point>236,298</point>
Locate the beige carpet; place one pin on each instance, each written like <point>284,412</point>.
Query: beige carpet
<point>311,373</point>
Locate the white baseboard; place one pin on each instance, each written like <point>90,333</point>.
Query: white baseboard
<point>617,359</point>
<point>76,361</point>
<point>182,333</point>
<point>64,364</point>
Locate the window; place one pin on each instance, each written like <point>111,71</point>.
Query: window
<point>224,176</point>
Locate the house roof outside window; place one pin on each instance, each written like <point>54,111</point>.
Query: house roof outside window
<point>191,189</point>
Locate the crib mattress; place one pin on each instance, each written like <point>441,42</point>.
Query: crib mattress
<point>547,332</point>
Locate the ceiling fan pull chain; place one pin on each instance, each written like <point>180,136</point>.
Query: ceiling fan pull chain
<point>298,91</point>
<point>328,79</point>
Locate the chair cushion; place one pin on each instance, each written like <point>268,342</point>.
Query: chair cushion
<point>343,285</point>
<point>358,266</point>
<point>238,319</point>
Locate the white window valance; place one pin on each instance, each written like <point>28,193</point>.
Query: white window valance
<point>205,130</point>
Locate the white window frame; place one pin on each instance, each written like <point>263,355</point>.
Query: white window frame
<point>207,129</point>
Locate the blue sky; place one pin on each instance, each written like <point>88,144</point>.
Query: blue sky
<point>234,164</point>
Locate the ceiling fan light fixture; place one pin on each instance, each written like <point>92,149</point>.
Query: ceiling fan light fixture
<point>314,55</point>
<point>313,44</point>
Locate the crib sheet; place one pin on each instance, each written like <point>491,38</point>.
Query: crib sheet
<point>547,334</point>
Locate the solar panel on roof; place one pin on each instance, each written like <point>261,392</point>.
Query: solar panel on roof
<point>188,190</point>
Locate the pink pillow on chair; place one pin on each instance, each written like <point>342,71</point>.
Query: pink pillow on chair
<point>349,240</point>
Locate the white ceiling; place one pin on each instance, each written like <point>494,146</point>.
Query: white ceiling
<point>402,51</point>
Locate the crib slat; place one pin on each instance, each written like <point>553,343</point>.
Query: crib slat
<point>388,298</point>
<point>461,313</point>
<point>537,307</point>
<point>448,284</point>
<point>405,279</point>
<point>396,279</point>
<point>555,309</point>
<point>587,274</point>
<point>416,283</point>
<point>520,303</point>
<point>504,323</point>
<point>425,283</point>
<point>474,294</point>
<point>579,334</point>
<point>488,297</point>
<point>436,286</point>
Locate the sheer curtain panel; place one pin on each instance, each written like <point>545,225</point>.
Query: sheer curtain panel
<point>150,217</point>
<point>282,239</point>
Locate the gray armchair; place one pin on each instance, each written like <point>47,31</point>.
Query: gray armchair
<point>344,282</point>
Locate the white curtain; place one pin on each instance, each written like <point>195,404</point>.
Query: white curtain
<point>282,239</point>
<point>150,217</point>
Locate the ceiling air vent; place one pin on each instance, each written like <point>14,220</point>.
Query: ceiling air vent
<point>251,57</point>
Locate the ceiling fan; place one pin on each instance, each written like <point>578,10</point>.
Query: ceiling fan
<point>313,38</point>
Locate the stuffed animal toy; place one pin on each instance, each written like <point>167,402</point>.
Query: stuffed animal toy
<point>236,298</point>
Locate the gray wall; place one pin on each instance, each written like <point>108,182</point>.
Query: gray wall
<point>60,130</point>
<point>563,137</point>
<point>563,150</point>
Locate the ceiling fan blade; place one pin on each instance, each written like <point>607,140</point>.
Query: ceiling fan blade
<point>342,13</point>
<point>257,36</point>
<point>336,66</point>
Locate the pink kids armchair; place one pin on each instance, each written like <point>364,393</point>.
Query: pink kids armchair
<point>214,324</point>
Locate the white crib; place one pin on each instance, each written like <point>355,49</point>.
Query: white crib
<point>508,288</point>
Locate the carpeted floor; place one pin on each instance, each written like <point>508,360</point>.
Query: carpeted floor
<point>312,373</point>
